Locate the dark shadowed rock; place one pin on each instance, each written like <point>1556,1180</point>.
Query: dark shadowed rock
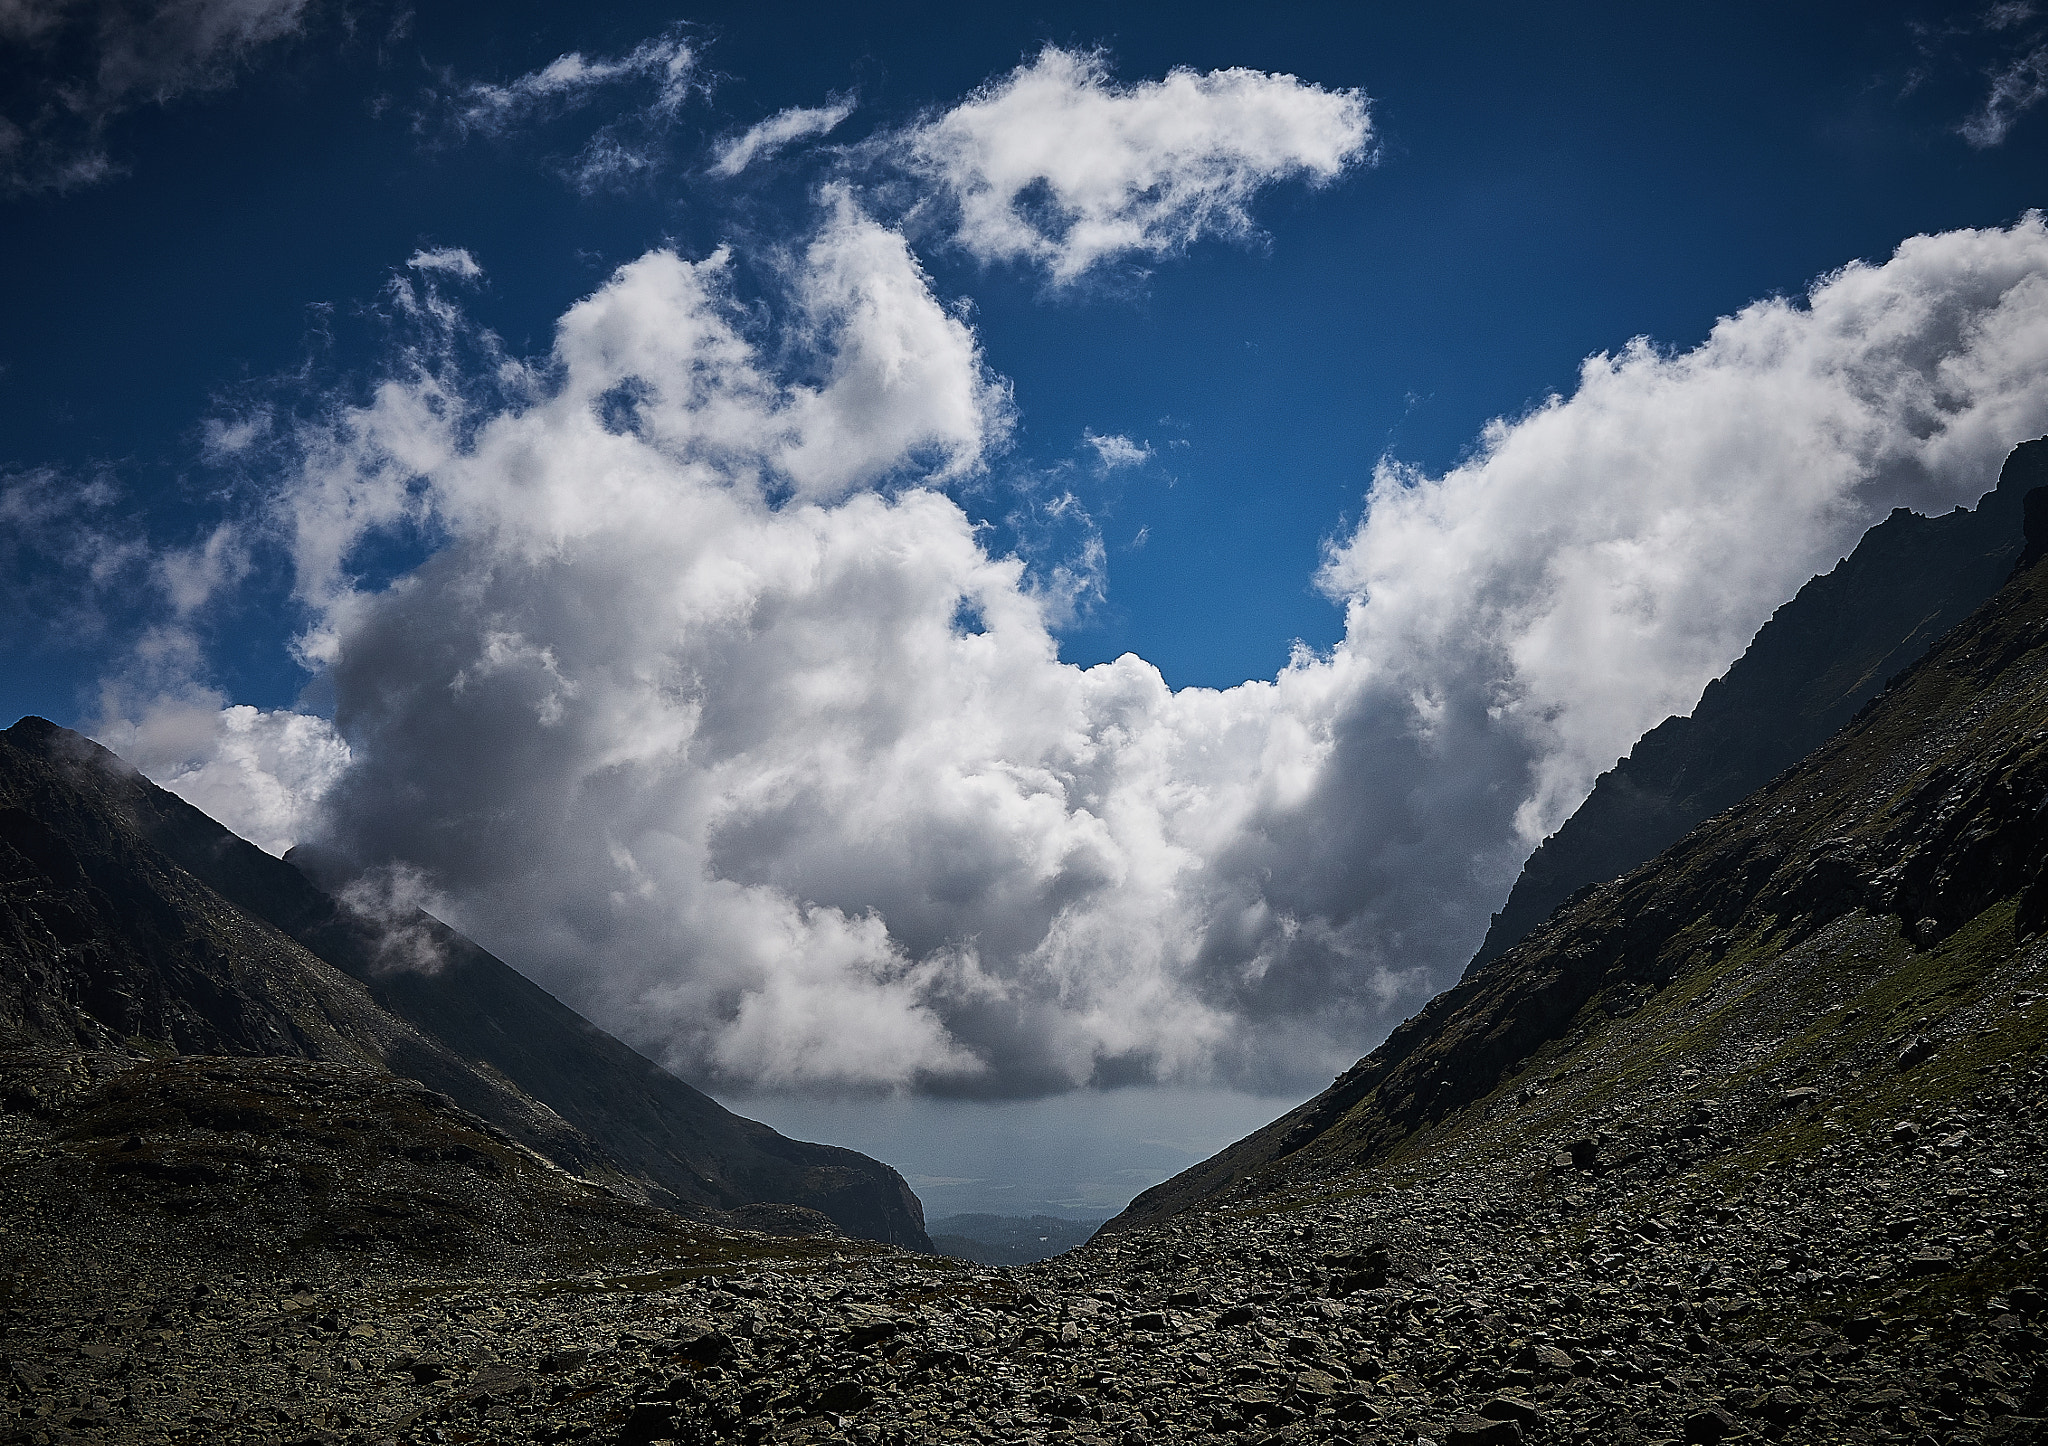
<point>1471,1430</point>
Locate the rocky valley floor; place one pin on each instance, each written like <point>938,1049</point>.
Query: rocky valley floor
<point>1714,1257</point>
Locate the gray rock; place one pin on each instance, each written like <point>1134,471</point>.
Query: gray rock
<point>1473,1430</point>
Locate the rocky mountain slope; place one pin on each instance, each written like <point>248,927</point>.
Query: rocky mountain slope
<point>127,917</point>
<point>1821,657</point>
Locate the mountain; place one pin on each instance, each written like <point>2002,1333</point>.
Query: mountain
<point>1878,906</point>
<point>128,916</point>
<point>1821,657</point>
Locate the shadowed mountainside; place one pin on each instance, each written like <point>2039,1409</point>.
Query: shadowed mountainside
<point>1822,656</point>
<point>130,915</point>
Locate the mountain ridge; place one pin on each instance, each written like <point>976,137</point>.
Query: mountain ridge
<point>1812,665</point>
<point>475,1029</point>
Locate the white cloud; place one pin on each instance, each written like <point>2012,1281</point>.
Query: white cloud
<point>713,719</point>
<point>666,61</point>
<point>223,438</point>
<point>1115,450</point>
<point>452,261</point>
<point>1598,560</point>
<point>904,380</point>
<point>262,774</point>
<point>192,576</point>
<point>97,59</point>
<point>780,130</point>
<point>2016,88</point>
<point>633,144</point>
<point>1059,166</point>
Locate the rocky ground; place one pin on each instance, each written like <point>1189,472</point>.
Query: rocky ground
<point>1839,1263</point>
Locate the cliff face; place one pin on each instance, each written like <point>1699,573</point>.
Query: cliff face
<point>1820,658</point>
<point>1813,931</point>
<point>127,914</point>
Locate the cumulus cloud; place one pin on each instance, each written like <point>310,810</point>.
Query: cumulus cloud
<point>261,773</point>
<point>716,715</point>
<point>1114,450</point>
<point>1058,166</point>
<point>784,128</point>
<point>73,66</point>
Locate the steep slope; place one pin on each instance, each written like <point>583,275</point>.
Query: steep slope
<point>130,913</point>
<point>1839,927</point>
<point>105,943</point>
<point>1820,658</point>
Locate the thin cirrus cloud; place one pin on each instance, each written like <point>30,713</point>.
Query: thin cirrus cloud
<point>666,61</point>
<point>451,261</point>
<point>762,801</point>
<point>1058,166</point>
<point>780,131</point>
<point>74,68</point>
<point>663,68</point>
<point>2006,45</point>
<point>1113,450</point>
<point>2016,88</point>
<point>70,545</point>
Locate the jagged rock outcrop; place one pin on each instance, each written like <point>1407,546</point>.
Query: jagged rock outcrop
<point>1821,657</point>
<point>128,915</point>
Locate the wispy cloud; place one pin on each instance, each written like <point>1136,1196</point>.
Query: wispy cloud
<point>1113,450</point>
<point>662,69</point>
<point>784,128</point>
<point>85,63</point>
<point>666,62</point>
<point>452,261</point>
<point>2016,88</point>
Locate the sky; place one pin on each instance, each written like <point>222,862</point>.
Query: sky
<point>1009,590</point>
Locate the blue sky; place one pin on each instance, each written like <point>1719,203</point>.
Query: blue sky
<point>1548,185</point>
<point>220,250</point>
